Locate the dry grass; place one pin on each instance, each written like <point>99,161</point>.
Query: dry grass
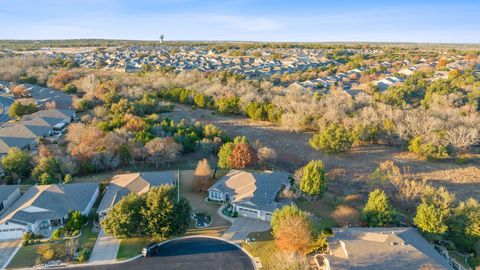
<point>198,203</point>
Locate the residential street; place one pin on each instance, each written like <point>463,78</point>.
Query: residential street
<point>7,249</point>
<point>199,253</point>
<point>105,249</point>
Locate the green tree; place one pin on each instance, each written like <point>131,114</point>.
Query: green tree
<point>125,219</point>
<point>314,180</point>
<point>18,109</point>
<point>378,212</point>
<point>434,210</point>
<point>334,138</point>
<point>17,162</point>
<point>164,216</point>
<point>430,219</point>
<point>464,225</point>
<point>224,155</point>
<point>49,166</point>
<point>75,221</point>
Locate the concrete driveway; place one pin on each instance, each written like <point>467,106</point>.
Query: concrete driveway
<point>242,226</point>
<point>105,249</point>
<point>7,250</point>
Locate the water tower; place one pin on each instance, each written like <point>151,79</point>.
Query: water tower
<point>161,38</point>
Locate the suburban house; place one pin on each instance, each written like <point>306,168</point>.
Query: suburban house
<point>25,133</point>
<point>380,248</point>
<point>8,195</point>
<point>124,184</point>
<point>43,208</point>
<point>252,194</point>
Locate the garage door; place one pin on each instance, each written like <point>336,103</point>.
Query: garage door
<point>8,234</point>
<point>245,212</point>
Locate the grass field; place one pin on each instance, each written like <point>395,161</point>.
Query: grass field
<point>264,248</point>
<point>130,247</point>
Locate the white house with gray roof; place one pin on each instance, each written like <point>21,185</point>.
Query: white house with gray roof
<point>43,208</point>
<point>252,194</point>
<point>8,195</point>
<point>380,248</point>
<point>141,182</point>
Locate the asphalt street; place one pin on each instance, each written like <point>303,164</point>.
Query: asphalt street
<point>197,253</point>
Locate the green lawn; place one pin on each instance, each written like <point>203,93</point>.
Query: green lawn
<point>131,247</point>
<point>27,255</point>
<point>263,247</point>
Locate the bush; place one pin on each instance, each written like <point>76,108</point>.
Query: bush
<point>235,214</point>
<point>428,150</point>
<point>334,138</point>
<point>58,234</point>
<point>27,238</point>
<point>327,231</point>
<point>378,211</point>
<point>84,255</point>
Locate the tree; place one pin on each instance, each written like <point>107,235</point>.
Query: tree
<point>17,162</point>
<point>164,216</point>
<point>314,180</point>
<point>266,154</point>
<point>46,253</point>
<point>70,246</point>
<point>378,212</point>
<point>430,219</point>
<point>47,166</point>
<point>334,138</point>
<point>162,150</point>
<point>18,109</point>
<point>464,225</point>
<point>19,90</point>
<point>202,175</point>
<point>224,155</point>
<point>75,221</point>
<point>243,155</point>
<point>292,229</point>
<point>125,219</point>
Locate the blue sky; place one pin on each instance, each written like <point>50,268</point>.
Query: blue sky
<point>248,20</point>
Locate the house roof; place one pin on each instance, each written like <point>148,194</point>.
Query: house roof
<point>253,189</point>
<point>123,184</point>
<point>49,202</point>
<point>7,142</point>
<point>381,248</point>
<point>6,191</point>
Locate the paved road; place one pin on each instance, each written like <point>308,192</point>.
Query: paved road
<point>105,249</point>
<point>199,253</point>
<point>7,249</point>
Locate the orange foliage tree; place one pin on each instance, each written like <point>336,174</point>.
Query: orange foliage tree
<point>292,229</point>
<point>243,155</point>
<point>202,175</point>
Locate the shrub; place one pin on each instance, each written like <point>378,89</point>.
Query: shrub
<point>428,150</point>
<point>334,138</point>
<point>378,211</point>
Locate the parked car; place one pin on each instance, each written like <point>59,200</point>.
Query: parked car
<point>150,249</point>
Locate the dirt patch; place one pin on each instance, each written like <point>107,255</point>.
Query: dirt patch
<point>294,151</point>
<point>198,204</point>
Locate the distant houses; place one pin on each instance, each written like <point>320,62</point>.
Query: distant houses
<point>25,133</point>
<point>252,194</point>
<point>43,208</point>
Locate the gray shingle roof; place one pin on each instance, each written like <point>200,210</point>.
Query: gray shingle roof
<point>257,188</point>
<point>382,248</point>
<point>123,184</point>
<point>6,191</point>
<point>50,201</point>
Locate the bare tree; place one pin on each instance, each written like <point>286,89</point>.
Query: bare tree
<point>202,175</point>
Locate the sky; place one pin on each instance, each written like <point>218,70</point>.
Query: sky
<point>454,21</point>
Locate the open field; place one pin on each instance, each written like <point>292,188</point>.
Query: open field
<point>294,151</point>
